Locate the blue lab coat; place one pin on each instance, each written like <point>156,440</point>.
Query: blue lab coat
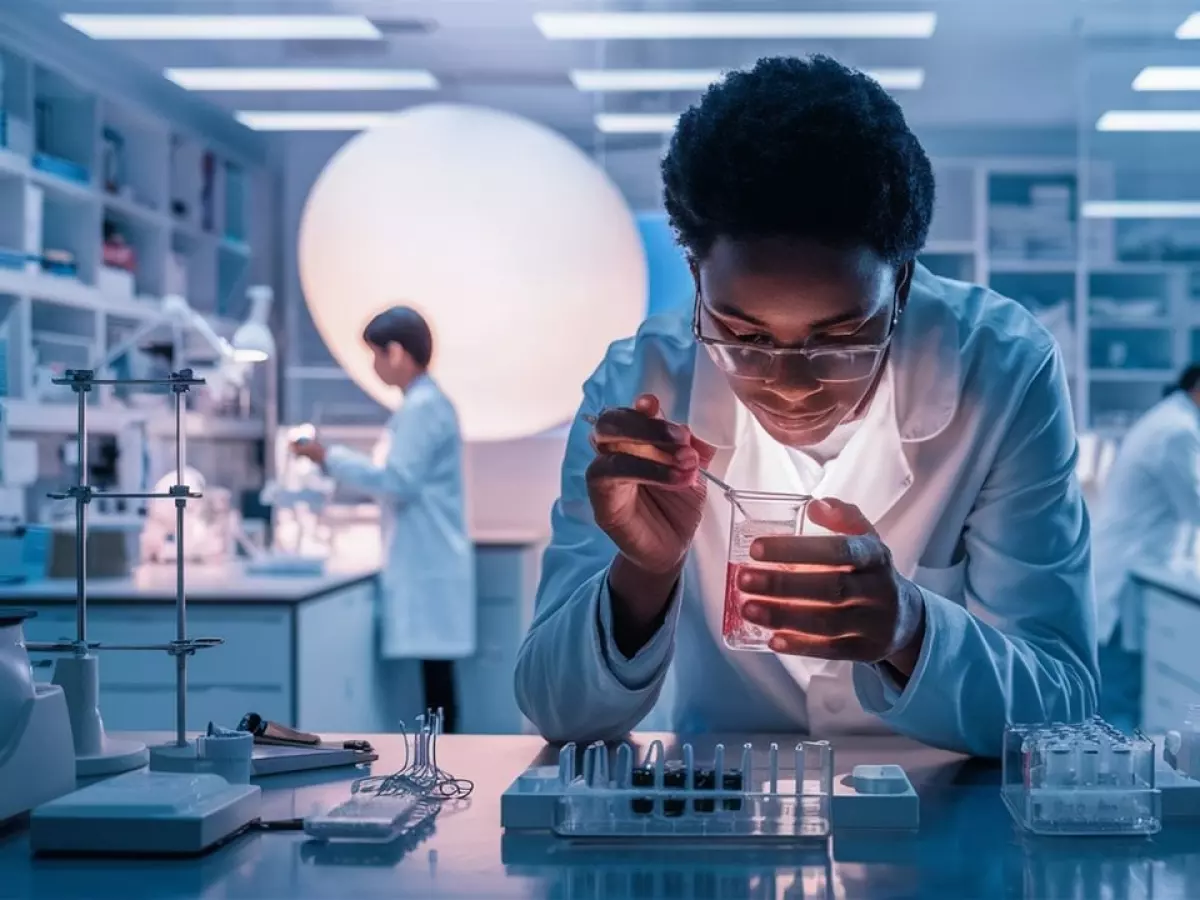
<point>965,464</point>
<point>427,596</point>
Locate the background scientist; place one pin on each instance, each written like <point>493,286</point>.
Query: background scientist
<point>427,592</point>
<point>1150,504</point>
<point>955,594</point>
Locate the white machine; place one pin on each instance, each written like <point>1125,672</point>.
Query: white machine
<point>37,759</point>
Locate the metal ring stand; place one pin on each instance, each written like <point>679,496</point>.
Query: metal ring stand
<point>78,672</point>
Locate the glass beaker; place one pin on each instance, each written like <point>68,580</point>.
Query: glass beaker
<point>755,514</point>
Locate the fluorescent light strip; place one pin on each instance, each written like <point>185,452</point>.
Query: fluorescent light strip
<point>303,79</point>
<point>1141,209</point>
<point>636,123</point>
<point>118,27</point>
<point>698,25</point>
<point>617,80</point>
<point>276,120</point>
<point>1149,120</point>
<point>1190,29</point>
<point>1168,78</point>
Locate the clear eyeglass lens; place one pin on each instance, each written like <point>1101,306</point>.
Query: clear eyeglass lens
<point>833,366</point>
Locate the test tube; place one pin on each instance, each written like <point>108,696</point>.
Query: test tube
<point>1058,765</point>
<point>566,764</point>
<point>1089,764</point>
<point>624,766</point>
<point>1121,765</point>
<point>773,764</point>
<point>799,756</point>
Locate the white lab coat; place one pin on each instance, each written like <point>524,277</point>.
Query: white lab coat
<point>427,597</point>
<point>965,463</point>
<point>1150,500</point>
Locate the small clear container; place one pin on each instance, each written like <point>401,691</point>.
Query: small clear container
<point>753,515</point>
<point>1085,778</point>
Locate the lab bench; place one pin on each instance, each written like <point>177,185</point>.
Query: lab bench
<point>1171,657</point>
<point>297,649</point>
<point>965,846</point>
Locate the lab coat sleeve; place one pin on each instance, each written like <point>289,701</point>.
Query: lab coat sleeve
<point>418,433</point>
<point>571,680</point>
<point>1024,648</point>
<point>1181,474</point>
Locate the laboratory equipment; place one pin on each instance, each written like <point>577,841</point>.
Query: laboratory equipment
<point>37,761</point>
<point>1080,779</point>
<point>727,798</point>
<point>210,522</point>
<point>144,811</point>
<point>221,751</point>
<point>24,553</point>
<point>383,808</point>
<point>753,515</point>
<point>1177,773</point>
<point>297,496</point>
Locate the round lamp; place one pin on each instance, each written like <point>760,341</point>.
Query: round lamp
<point>514,245</point>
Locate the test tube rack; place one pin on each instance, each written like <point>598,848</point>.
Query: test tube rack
<point>77,668</point>
<point>613,797</point>
<point>1082,778</point>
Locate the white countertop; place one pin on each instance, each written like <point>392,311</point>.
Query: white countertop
<point>224,583</point>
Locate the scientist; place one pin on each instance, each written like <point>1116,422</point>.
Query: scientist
<point>427,602</point>
<point>953,591</point>
<point>1149,504</point>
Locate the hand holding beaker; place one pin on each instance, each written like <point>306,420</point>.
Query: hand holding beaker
<point>644,484</point>
<point>834,596</point>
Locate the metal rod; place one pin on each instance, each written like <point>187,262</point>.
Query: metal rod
<point>180,596</point>
<point>81,525</point>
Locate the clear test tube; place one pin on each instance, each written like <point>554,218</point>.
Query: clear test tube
<point>1121,765</point>
<point>799,756</point>
<point>624,765</point>
<point>566,764</point>
<point>824,756</point>
<point>1059,765</point>
<point>773,768</point>
<point>1089,764</point>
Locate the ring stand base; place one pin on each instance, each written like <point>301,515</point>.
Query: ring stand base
<point>116,756</point>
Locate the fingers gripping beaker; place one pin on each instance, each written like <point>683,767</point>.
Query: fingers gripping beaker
<point>753,515</point>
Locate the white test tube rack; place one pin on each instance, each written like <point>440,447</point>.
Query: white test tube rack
<point>600,802</point>
<point>77,668</point>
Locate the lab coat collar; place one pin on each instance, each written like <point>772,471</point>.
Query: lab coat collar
<point>925,370</point>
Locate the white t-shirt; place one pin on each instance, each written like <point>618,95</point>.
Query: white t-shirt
<point>811,461</point>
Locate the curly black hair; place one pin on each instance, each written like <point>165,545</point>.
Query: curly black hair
<point>798,147</point>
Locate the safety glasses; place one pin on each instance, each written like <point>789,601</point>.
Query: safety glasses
<point>829,363</point>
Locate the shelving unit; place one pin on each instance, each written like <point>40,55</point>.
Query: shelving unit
<point>1126,325</point>
<point>80,175</point>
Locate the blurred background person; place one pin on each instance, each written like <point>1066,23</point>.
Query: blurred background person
<point>427,596</point>
<point>1148,515</point>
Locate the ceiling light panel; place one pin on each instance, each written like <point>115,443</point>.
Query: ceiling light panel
<point>630,80</point>
<point>1149,120</point>
<point>729,25</point>
<point>340,120</point>
<point>1168,78</point>
<point>636,123</point>
<point>1190,29</point>
<point>297,79</point>
<point>120,27</point>
<point>1141,209</point>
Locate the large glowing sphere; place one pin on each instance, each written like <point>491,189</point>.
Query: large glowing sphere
<point>516,247</point>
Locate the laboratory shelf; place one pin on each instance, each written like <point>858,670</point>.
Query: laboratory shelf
<point>28,416</point>
<point>1141,376</point>
<point>1032,266</point>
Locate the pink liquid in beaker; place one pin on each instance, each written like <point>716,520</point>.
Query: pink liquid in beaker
<point>737,633</point>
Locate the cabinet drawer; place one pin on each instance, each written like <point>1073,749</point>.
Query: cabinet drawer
<point>1172,626</point>
<point>257,648</point>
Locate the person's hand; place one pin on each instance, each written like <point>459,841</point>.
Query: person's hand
<point>644,484</point>
<point>309,449</point>
<point>844,600</point>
